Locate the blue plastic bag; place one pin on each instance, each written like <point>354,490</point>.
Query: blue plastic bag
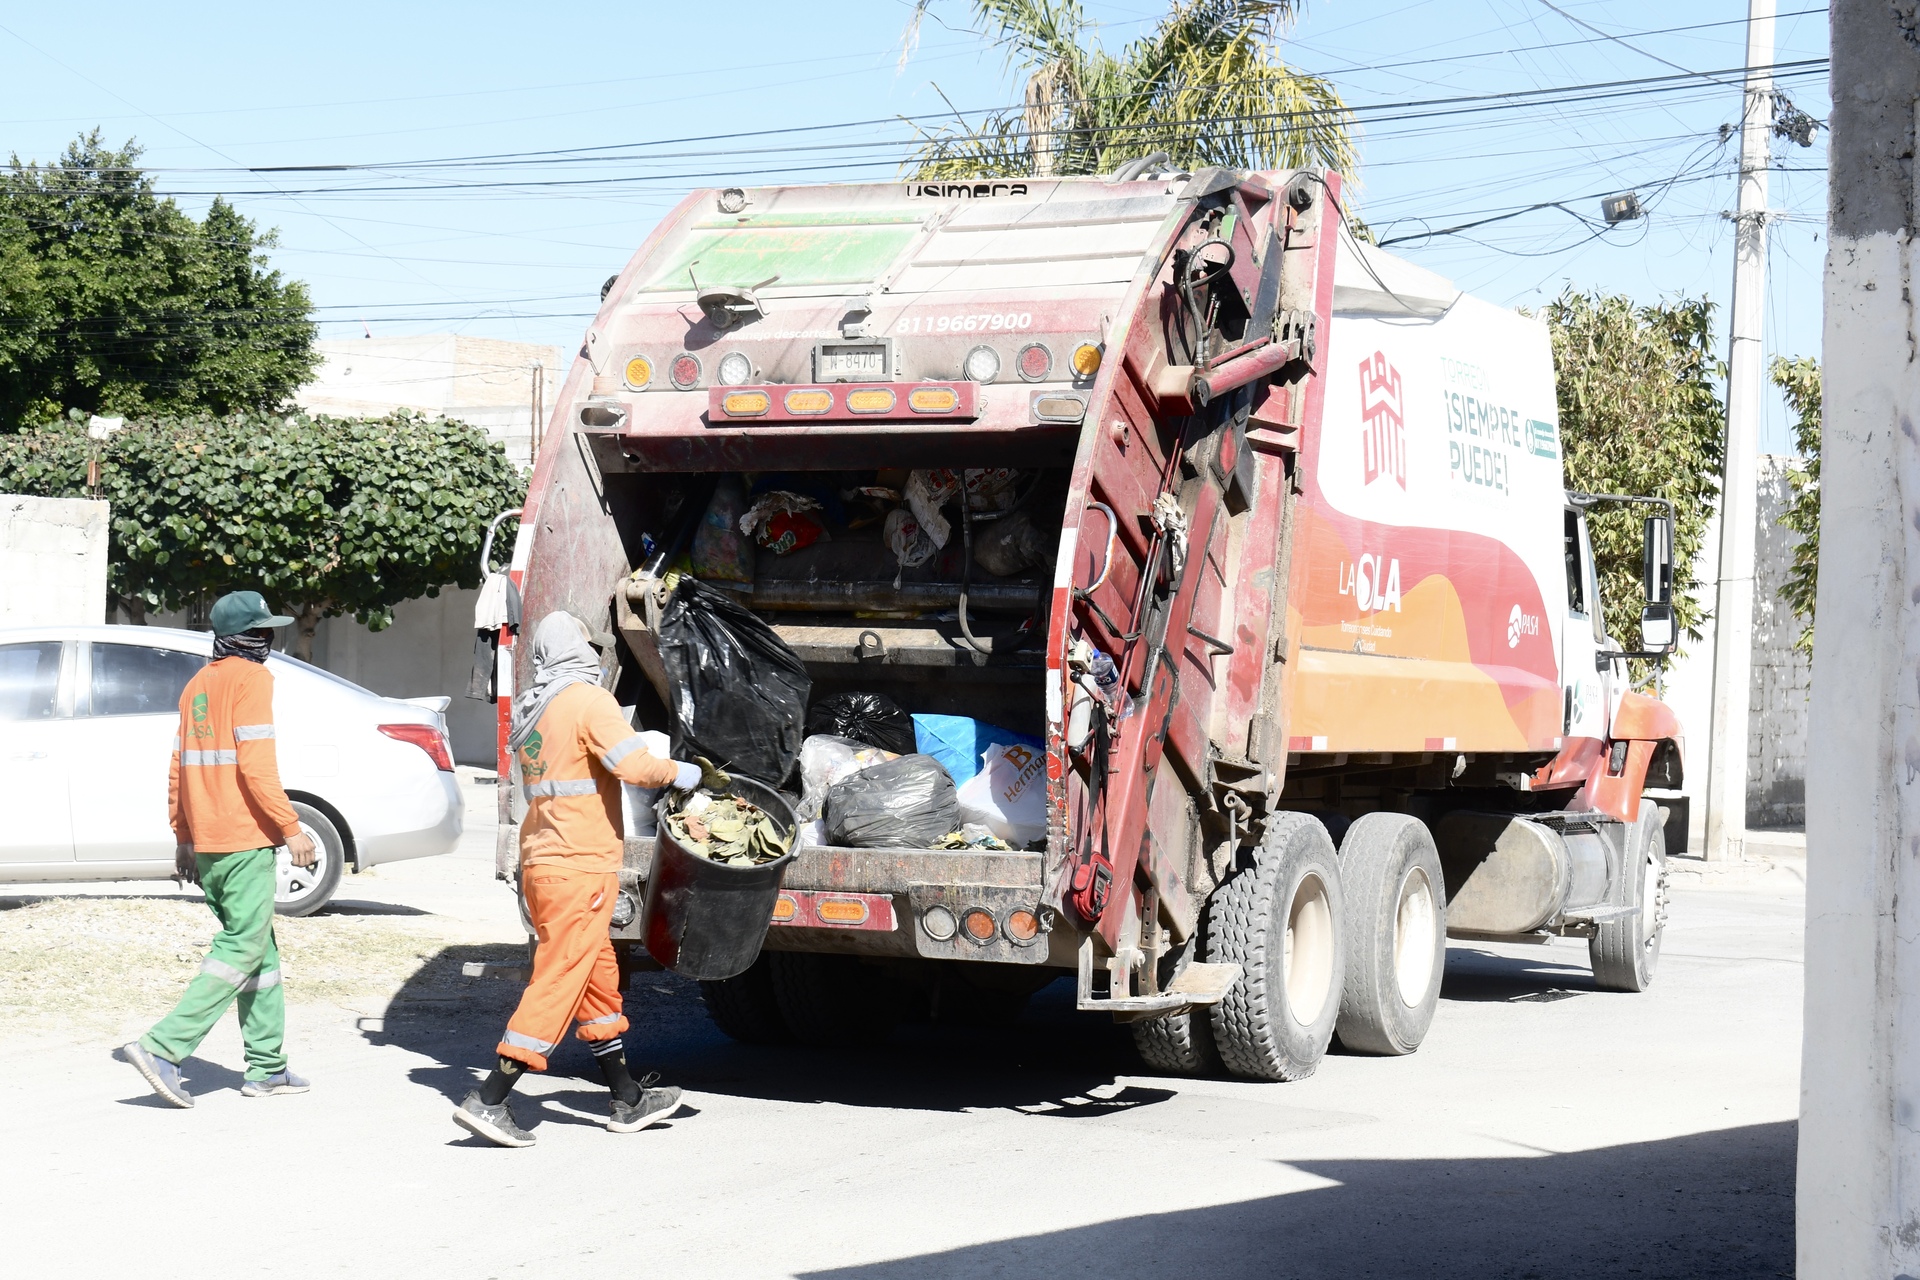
<point>958,742</point>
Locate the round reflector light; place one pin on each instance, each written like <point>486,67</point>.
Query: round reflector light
<point>735,369</point>
<point>1086,360</point>
<point>983,364</point>
<point>684,372</point>
<point>873,400</point>
<point>809,401</point>
<point>746,404</point>
<point>1036,362</point>
<point>933,399</point>
<point>639,372</point>
<point>1023,926</point>
<point>939,923</point>
<point>979,924</point>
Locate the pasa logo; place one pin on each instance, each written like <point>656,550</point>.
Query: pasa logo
<point>1520,623</point>
<point>1383,429</point>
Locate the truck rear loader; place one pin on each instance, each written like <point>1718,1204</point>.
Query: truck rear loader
<point>1306,497</point>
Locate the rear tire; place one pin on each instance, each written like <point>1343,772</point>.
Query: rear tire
<point>1396,921</point>
<point>301,891</point>
<point>830,999</point>
<point>1180,1044</point>
<point>745,1007</point>
<point>1626,951</point>
<point>1281,920</point>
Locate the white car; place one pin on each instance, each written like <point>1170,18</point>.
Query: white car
<point>89,713</point>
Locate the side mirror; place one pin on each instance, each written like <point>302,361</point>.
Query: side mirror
<point>1657,563</point>
<point>1657,628</point>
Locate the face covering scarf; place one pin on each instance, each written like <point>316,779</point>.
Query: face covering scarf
<point>245,645</point>
<point>561,656</point>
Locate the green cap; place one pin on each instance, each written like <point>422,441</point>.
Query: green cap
<point>239,611</point>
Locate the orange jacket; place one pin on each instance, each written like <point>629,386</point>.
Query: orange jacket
<point>223,787</point>
<point>571,768</point>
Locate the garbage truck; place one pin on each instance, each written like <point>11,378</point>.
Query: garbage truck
<point>1308,635</point>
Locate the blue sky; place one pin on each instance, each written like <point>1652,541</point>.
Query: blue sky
<point>516,247</point>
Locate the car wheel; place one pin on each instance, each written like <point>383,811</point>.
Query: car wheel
<point>301,891</point>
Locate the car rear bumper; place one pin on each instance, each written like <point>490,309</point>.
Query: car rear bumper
<point>430,830</point>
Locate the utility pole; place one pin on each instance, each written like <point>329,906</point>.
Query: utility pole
<point>1733,602</point>
<point>1859,1143</point>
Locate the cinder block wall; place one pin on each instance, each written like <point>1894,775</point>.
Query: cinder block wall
<point>1782,678</point>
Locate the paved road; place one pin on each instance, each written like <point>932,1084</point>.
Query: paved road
<point>1544,1130</point>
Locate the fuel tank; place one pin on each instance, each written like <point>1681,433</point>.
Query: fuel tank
<point>1510,874</point>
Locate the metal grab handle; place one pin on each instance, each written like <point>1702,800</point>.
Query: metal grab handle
<point>1220,647</point>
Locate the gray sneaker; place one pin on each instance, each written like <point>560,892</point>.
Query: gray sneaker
<point>162,1075</point>
<point>654,1106</point>
<point>495,1124</point>
<point>280,1082</point>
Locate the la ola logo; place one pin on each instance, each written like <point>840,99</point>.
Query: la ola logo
<point>1373,582</point>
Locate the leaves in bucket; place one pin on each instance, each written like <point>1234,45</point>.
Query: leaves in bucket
<point>728,829</point>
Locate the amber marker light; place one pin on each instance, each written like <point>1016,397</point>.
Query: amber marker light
<point>1086,360</point>
<point>639,372</point>
<point>1060,409</point>
<point>874,400</point>
<point>746,404</point>
<point>784,909</point>
<point>933,400</point>
<point>979,924</point>
<point>1023,925</point>
<point>809,401</point>
<point>840,911</point>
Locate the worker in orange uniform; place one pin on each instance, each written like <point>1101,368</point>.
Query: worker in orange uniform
<point>229,811</point>
<point>574,748</point>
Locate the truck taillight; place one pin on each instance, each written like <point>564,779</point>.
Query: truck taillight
<point>684,372</point>
<point>933,400</point>
<point>746,404</point>
<point>425,737</point>
<point>809,401</point>
<point>1035,362</point>
<point>877,400</point>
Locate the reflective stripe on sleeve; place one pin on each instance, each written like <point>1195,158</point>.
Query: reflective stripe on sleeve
<point>621,750</point>
<point>251,732</point>
<point>209,757</point>
<point>571,787</point>
<point>520,1040</point>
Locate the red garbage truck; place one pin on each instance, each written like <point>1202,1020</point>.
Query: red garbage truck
<point>1306,628</point>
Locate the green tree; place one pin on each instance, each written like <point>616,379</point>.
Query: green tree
<point>1799,382</point>
<point>1206,86</point>
<point>115,301</point>
<point>323,516</point>
<point>1640,413</point>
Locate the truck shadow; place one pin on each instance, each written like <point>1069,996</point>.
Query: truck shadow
<point>1701,1206</point>
<point>1049,1058</point>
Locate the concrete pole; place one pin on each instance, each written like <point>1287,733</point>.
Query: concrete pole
<point>1858,1205</point>
<point>1733,601</point>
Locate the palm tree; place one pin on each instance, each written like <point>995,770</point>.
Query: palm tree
<point>1205,86</point>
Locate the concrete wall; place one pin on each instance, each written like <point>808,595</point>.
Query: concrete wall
<point>53,561</point>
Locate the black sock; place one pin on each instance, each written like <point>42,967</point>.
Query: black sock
<point>496,1087</point>
<point>612,1057</point>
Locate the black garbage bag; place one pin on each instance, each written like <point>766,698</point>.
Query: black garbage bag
<point>907,803</point>
<point>872,718</point>
<point>739,693</point>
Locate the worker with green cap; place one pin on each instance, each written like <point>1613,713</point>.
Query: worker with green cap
<point>229,812</point>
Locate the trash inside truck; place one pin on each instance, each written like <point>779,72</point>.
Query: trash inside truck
<point>1135,578</point>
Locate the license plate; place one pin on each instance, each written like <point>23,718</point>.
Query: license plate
<point>862,362</point>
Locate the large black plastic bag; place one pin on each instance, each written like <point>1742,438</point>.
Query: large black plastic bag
<point>903,804</point>
<point>872,718</point>
<point>739,693</point>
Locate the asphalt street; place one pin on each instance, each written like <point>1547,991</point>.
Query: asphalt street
<point>1545,1130</point>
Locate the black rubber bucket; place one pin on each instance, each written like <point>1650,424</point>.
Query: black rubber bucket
<point>704,918</point>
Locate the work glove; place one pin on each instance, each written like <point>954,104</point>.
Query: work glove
<point>713,777</point>
<point>186,868</point>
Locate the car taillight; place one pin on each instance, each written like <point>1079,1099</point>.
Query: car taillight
<point>425,737</point>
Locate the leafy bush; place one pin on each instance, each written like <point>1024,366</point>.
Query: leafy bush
<point>1799,381</point>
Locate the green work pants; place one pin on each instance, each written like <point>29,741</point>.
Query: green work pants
<point>244,964</point>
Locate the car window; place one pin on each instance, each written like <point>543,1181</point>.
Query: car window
<point>138,680</point>
<point>29,679</point>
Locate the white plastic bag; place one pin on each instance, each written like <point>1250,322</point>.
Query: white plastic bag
<point>1009,794</point>
<point>636,803</point>
<point>825,760</point>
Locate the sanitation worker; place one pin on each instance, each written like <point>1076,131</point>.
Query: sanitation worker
<point>574,748</point>
<point>229,812</point>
